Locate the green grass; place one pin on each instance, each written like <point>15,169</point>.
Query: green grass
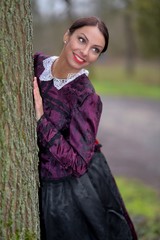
<point>142,203</point>
<point>140,199</point>
<point>114,80</point>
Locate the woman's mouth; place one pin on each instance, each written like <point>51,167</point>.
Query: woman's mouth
<point>78,59</point>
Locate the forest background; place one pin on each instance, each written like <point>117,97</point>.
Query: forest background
<point>129,69</point>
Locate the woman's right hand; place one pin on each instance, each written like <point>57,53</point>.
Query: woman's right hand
<point>37,100</point>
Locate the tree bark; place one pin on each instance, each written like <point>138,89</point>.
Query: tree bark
<point>18,152</point>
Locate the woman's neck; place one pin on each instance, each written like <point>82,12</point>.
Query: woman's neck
<point>60,68</point>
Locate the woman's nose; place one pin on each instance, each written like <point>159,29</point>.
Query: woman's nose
<point>85,51</point>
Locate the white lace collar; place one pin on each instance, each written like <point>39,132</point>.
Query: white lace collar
<point>58,83</point>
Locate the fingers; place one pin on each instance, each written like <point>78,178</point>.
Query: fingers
<point>35,84</point>
<point>36,91</point>
<point>37,99</point>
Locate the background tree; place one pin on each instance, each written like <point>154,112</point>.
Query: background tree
<point>18,161</point>
<point>69,9</point>
<point>148,22</point>
<point>130,42</point>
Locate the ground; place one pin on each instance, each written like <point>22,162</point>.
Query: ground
<point>130,134</point>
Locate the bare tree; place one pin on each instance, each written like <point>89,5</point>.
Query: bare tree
<point>69,7</point>
<point>129,37</point>
<point>18,162</point>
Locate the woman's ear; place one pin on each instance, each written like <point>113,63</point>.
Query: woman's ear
<point>66,37</point>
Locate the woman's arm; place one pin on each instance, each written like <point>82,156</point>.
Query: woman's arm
<point>75,152</point>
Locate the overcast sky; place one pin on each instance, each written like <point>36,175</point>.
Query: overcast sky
<point>47,6</point>
<point>81,7</point>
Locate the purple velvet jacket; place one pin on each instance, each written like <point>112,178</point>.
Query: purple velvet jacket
<point>67,131</point>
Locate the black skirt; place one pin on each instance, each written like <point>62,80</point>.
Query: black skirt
<point>85,208</point>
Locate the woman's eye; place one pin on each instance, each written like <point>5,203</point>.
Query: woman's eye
<point>82,40</point>
<point>96,50</point>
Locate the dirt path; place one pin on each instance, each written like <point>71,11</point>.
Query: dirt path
<point>130,134</point>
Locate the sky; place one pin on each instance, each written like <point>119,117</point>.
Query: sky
<point>47,7</point>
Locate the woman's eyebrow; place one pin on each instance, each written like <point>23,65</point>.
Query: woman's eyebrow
<point>84,36</point>
<point>88,40</point>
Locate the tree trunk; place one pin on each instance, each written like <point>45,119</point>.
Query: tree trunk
<point>18,157</point>
<point>130,39</point>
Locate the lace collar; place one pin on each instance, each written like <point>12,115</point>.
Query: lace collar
<point>58,83</point>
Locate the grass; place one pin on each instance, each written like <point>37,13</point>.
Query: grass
<point>140,199</point>
<point>114,80</point>
<point>142,203</point>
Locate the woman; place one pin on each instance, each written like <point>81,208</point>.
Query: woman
<point>79,199</point>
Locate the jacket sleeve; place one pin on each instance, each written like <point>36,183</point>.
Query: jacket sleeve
<point>75,152</point>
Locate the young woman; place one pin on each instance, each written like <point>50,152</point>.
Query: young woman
<point>79,199</point>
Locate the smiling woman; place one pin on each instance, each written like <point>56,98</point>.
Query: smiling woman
<point>82,48</point>
<point>78,196</point>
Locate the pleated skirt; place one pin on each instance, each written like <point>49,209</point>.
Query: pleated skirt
<point>86,208</point>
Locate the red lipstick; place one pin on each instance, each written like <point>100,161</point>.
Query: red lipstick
<point>78,59</point>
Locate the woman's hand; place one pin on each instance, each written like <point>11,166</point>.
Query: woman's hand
<point>37,100</point>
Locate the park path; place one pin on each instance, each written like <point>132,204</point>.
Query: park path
<point>130,134</point>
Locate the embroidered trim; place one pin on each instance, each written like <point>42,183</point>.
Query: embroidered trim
<point>58,83</point>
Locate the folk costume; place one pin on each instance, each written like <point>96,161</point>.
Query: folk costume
<point>79,199</point>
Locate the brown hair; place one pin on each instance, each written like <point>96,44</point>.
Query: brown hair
<point>91,21</point>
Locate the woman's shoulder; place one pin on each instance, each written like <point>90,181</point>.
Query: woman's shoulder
<point>39,57</point>
<point>81,88</point>
<point>83,85</point>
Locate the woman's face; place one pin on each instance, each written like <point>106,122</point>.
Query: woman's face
<point>83,47</point>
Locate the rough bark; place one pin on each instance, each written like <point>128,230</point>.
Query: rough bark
<point>18,152</point>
